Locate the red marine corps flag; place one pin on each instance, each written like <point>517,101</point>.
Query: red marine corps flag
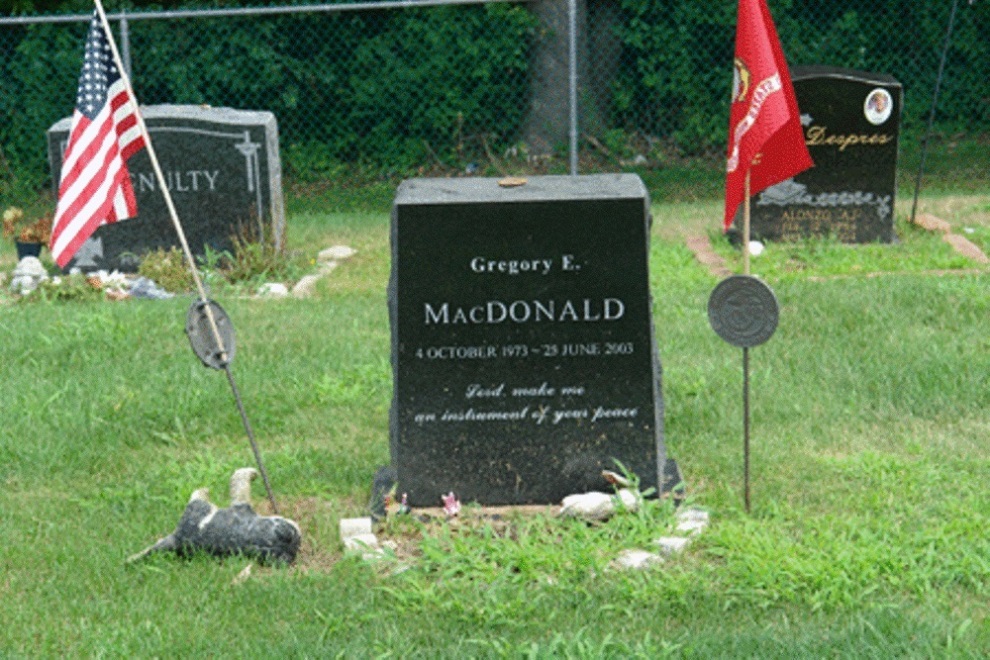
<point>95,187</point>
<point>765,135</point>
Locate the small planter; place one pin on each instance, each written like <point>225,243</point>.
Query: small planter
<point>27,250</point>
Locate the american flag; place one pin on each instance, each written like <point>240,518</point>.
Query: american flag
<point>95,187</point>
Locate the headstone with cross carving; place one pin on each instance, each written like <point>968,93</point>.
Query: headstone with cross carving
<point>222,169</point>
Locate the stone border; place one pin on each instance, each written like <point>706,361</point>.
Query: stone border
<point>960,244</point>
<point>703,252</point>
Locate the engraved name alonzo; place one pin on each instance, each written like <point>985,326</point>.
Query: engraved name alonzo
<point>546,310</point>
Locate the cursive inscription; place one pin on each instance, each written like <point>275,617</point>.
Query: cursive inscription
<point>817,136</point>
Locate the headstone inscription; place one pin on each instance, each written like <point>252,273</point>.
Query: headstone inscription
<point>851,125</point>
<point>222,169</point>
<point>523,350</point>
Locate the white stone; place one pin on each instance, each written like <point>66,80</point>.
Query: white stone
<point>273,290</point>
<point>305,287</point>
<point>692,521</point>
<point>351,527</point>
<point>637,559</point>
<point>361,542</point>
<point>336,253</point>
<point>596,505</point>
<point>672,545</point>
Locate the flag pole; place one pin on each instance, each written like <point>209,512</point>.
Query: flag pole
<point>745,244</point>
<point>746,271</point>
<point>184,243</point>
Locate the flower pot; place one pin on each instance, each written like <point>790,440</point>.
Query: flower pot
<point>27,250</point>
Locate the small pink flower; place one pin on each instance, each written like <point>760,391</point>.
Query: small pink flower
<point>451,505</point>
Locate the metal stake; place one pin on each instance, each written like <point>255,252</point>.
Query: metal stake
<point>125,77</point>
<point>250,434</point>
<point>572,70</point>
<point>746,426</point>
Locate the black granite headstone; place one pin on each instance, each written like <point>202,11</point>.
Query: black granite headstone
<point>523,350</point>
<point>851,125</point>
<point>222,169</point>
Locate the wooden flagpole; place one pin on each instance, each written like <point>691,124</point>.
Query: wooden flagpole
<point>746,271</point>
<point>185,244</point>
<point>745,245</point>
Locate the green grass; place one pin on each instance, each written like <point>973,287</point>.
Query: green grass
<point>868,535</point>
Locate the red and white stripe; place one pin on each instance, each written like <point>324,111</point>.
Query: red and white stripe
<point>95,187</point>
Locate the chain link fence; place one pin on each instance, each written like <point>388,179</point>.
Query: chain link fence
<point>365,90</point>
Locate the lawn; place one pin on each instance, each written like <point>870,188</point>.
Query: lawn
<point>870,457</point>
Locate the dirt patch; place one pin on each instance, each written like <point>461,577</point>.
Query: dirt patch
<point>322,549</point>
<point>701,246</point>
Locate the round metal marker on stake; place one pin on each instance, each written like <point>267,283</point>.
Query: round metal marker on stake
<point>204,340</point>
<point>214,351</point>
<point>743,311</point>
<point>211,335</point>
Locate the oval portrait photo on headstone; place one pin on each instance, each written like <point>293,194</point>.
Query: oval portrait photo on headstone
<point>878,106</point>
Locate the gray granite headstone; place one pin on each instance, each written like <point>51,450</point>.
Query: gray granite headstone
<point>222,169</point>
<point>523,350</point>
<point>851,123</point>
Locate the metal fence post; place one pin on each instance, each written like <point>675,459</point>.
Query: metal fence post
<point>125,44</point>
<point>572,82</point>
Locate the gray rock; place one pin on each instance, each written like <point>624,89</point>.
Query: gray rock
<point>273,290</point>
<point>672,545</point>
<point>692,520</point>
<point>143,287</point>
<point>336,253</point>
<point>597,506</point>
<point>637,559</point>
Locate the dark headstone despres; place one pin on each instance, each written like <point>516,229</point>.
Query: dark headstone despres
<point>222,169</point>
<point>851,123</point>
<point>523,351</point>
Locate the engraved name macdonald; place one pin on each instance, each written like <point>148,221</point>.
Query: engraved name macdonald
<point>493,312</point>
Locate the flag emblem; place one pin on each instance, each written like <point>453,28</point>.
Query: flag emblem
<point>740,81</point>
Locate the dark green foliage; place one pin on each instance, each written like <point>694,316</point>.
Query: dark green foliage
<point>676,74</point>
<point>401,91</point>
<point>391,89</point>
